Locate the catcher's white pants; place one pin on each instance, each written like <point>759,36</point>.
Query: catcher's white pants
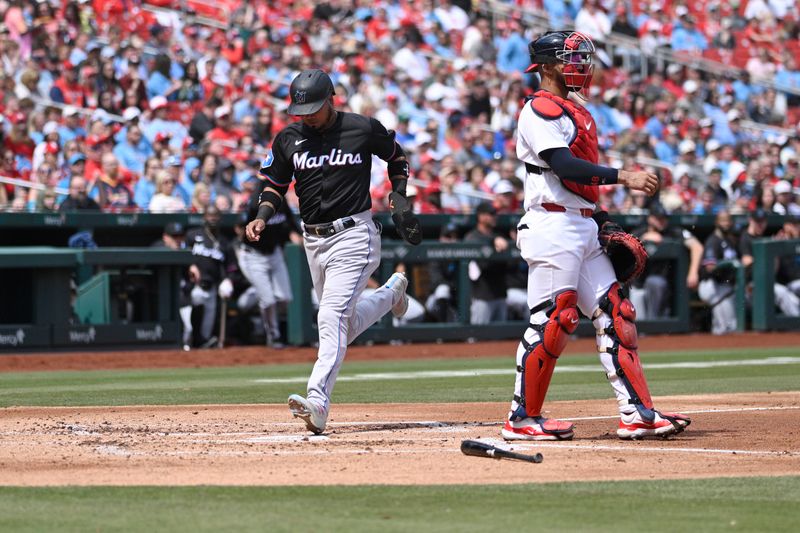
<point>562,252</point>
<point>340,267</point>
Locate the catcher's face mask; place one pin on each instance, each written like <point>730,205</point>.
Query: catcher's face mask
<point>577,58</point>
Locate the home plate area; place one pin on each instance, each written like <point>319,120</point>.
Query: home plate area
<point>730,435</point>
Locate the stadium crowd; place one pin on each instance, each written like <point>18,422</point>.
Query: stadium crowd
<point>160,111</point>
<point>160,106</point>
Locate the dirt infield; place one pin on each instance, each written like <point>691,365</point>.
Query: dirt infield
<point>731,435</point>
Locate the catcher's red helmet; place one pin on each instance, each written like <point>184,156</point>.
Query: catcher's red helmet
<point>572,48</point>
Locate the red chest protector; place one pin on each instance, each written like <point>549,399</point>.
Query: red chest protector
<point>583,144</point>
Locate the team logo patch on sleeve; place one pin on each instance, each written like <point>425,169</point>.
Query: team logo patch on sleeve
<point>267,161</point>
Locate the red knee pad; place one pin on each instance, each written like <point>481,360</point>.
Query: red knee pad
<point>563,321</point>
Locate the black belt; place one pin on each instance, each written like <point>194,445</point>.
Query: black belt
<point>330,228</point>
<point>250,249</point>
<point>533,169</point>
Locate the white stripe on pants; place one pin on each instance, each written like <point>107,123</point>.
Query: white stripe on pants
<point>340,267</point>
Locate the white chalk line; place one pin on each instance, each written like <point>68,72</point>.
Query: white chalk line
<point>372,449</point>
<point>436,427</point>
<point>398,424</point>
<point>613,448</point>
<point>122,451</point>
<point>438,374</point>
<point>701,411</point>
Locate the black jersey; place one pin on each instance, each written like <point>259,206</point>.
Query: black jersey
<point>716,249</point>
<point>211,253</point>
<point>661,267</point>
<point>278,228</point>
<point>332,168</point>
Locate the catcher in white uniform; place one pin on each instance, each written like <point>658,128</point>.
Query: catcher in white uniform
<point>565,242</point>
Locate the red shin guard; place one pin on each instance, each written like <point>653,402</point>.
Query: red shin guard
<point>626,341</point>
<point>540,360</point>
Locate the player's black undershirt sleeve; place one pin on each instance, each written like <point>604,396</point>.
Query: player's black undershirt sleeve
<point>568,167</point>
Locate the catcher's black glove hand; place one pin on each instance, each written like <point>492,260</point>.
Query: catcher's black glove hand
<point>406,224</point>
<point>606,230</point>
<point>628,256</point>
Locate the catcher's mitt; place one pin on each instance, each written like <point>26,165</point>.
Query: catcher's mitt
<point>626,252</point>
<point>406,224</point>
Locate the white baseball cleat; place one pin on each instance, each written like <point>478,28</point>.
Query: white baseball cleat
<point>314,416</point>
<point>398,283</point>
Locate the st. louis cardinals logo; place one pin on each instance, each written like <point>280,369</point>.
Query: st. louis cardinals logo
<point>300,97</point>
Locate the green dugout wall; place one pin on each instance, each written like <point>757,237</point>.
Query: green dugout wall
<point>765,255</point>
<point>302,327</point>
<point>39,310</point>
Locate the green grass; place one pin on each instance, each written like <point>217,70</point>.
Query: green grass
<point>232,385</point>
<point>738,504</point>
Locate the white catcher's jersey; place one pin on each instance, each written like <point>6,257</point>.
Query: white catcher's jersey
<point>535,135</point>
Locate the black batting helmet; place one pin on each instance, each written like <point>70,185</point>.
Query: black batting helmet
<point>309,91</point>
<point>572,48</point>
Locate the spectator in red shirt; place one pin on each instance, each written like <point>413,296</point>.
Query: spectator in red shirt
<point>96,146</point>
<point>8,168</point>
<point>210,86</point>
<point>67,89</point>
<point>18,139</point>
<point>224,138</point>
<point>297,37</point>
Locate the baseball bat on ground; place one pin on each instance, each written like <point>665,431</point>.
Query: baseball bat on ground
<point>481,449</point>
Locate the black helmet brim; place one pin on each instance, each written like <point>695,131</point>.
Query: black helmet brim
<point>309,108</point>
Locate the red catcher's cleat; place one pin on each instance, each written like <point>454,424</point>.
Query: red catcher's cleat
<point>537,428</point>
<point>633,426</point>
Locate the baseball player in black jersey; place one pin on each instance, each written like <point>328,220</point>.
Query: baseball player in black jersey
<point>329,154</point>
<point>212,259</point>
<point>264,266</point>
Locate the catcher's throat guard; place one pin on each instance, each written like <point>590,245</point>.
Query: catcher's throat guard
<point>406,224</point>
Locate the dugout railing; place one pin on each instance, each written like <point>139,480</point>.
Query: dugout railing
<point>302,331</point>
